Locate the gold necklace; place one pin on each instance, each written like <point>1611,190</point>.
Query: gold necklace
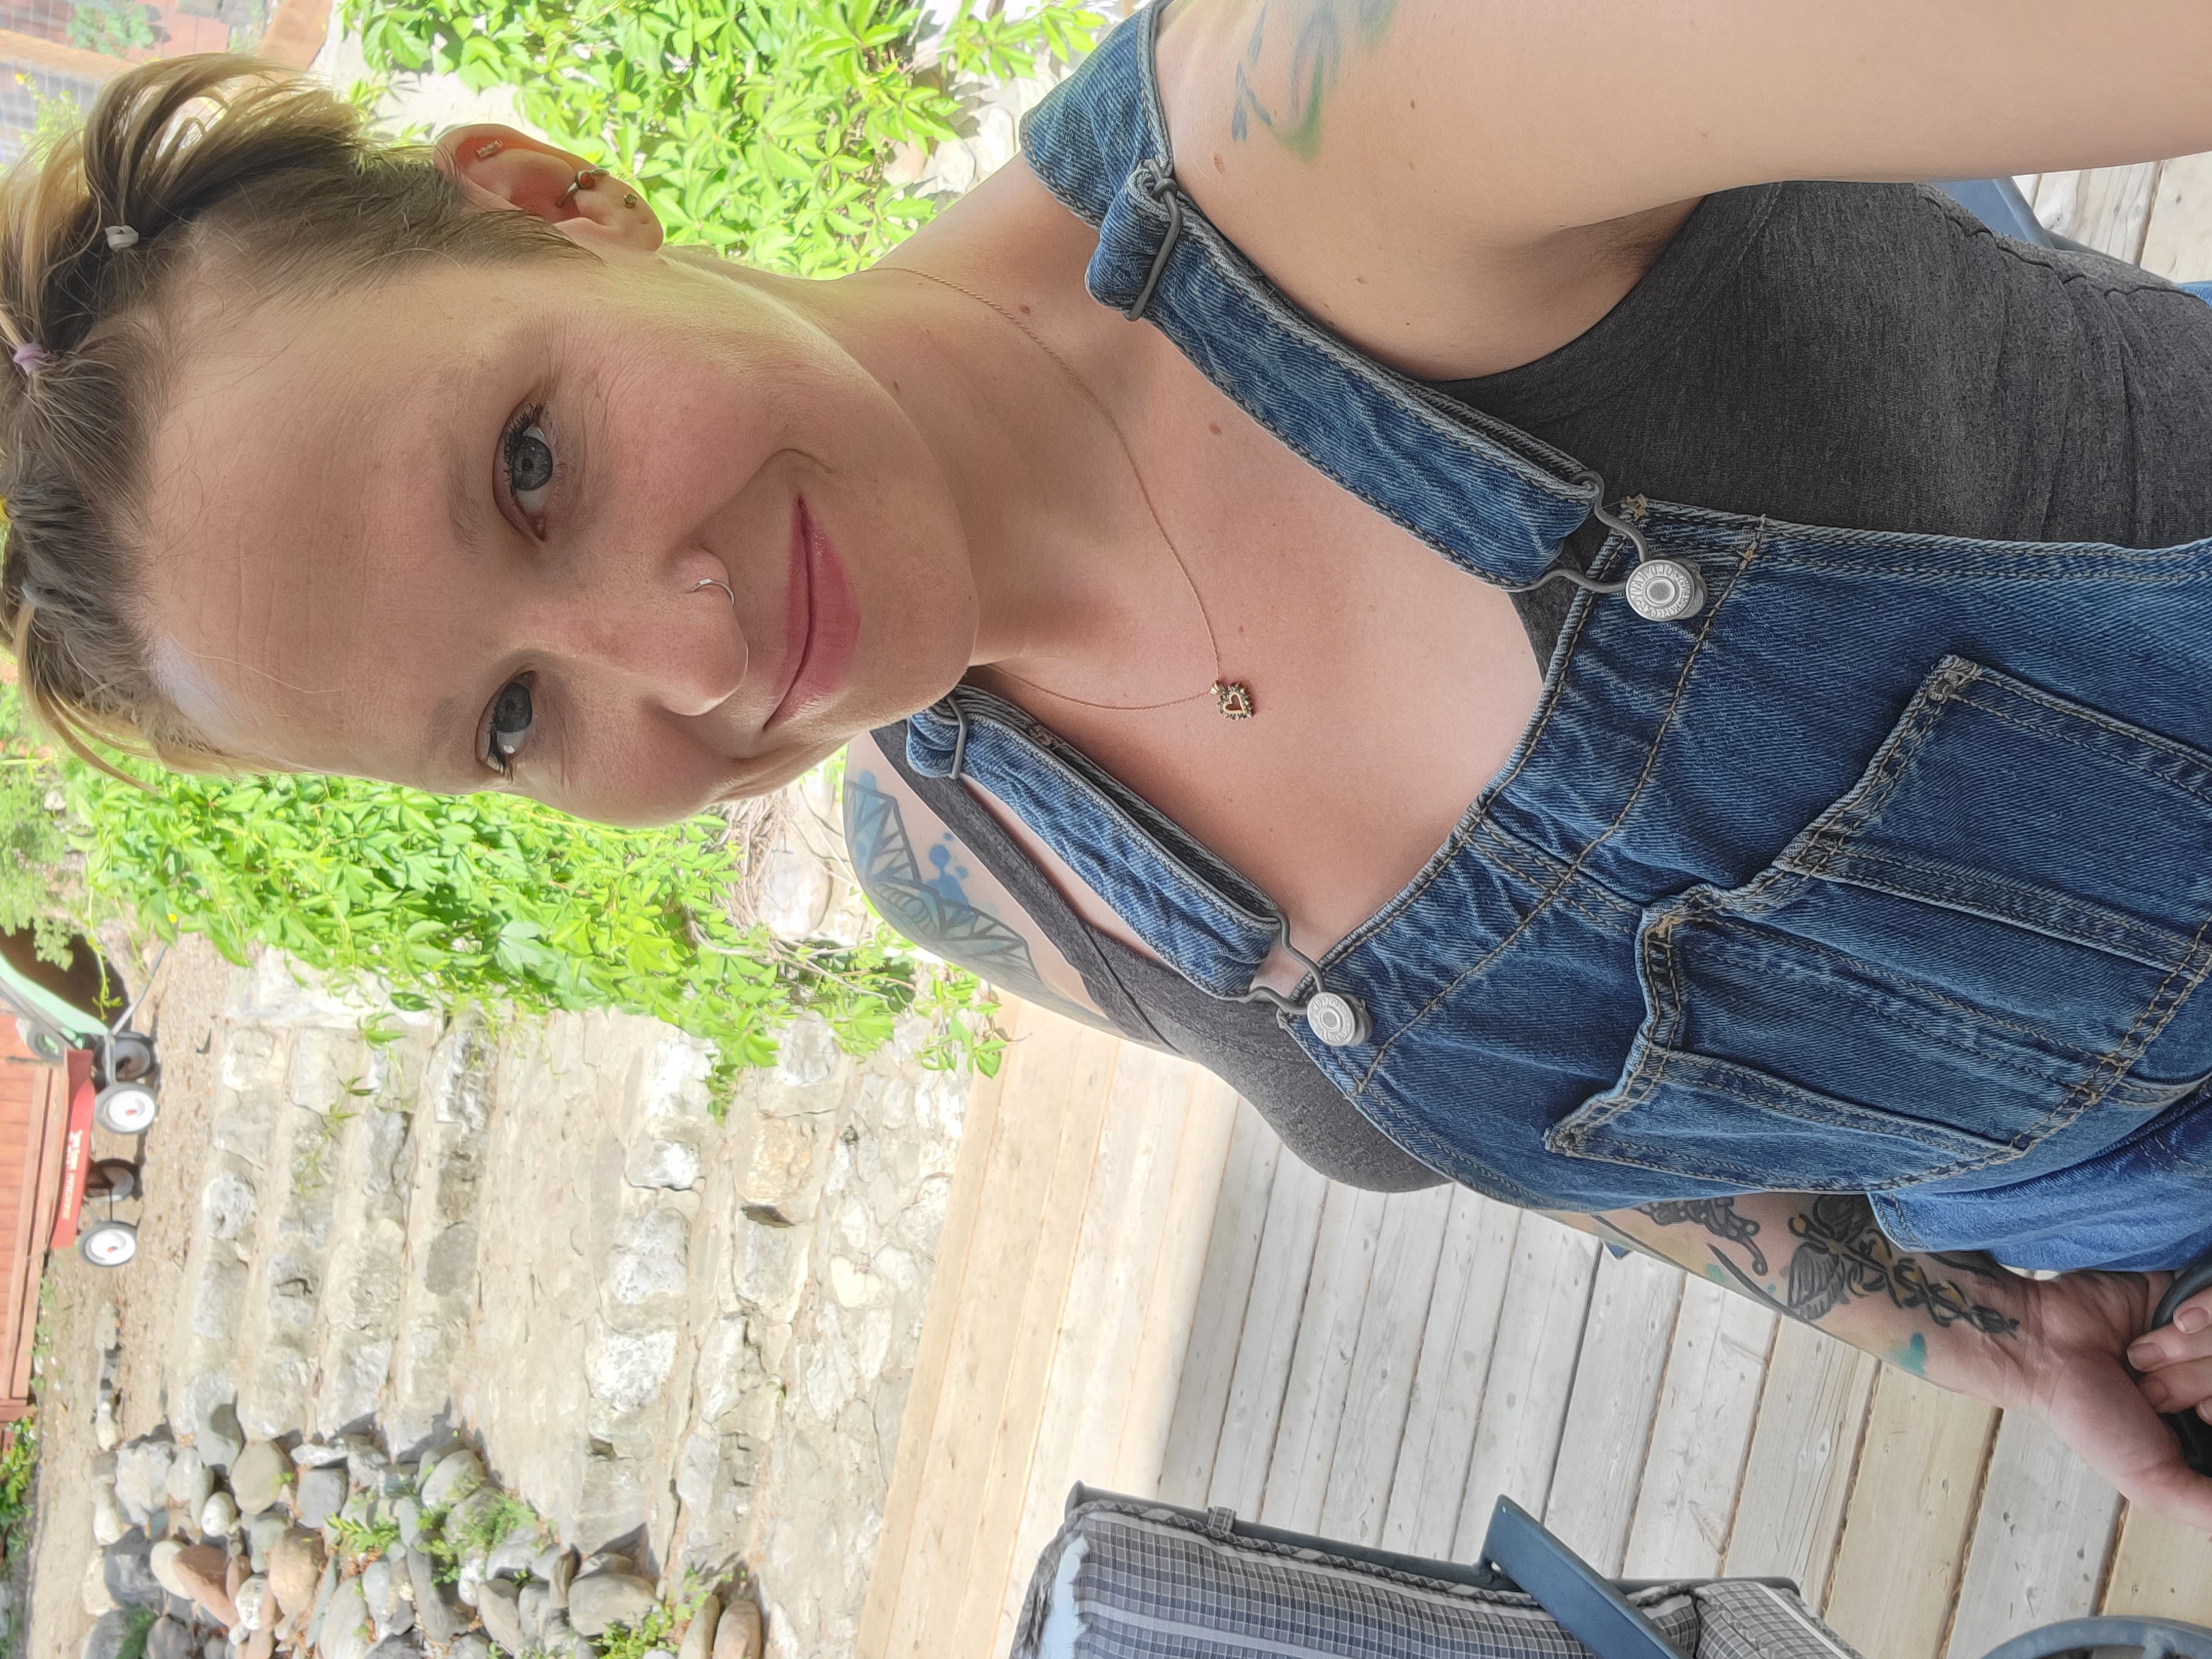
<point>1232,697</point>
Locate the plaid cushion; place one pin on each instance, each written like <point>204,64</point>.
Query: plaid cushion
<point>1743,1619</point>
<point>1147,1583</point>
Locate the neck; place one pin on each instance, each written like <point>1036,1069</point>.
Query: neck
<point>980,328</point>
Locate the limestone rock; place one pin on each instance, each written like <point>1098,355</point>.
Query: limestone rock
<point>467,1517</point>
<point>257,1478</point>
<point>97,1596</point>
<point>738,1635</point>
<point>671,1165</point>
<point>407,1514</point>
<point>498,1606</point>
<point>458,1473</point>
<point>380,1588</point>
<point>558,1636</point>
<point>605,1599</point>
<point>261,1532</point>
<point>399,1645</point>
<point>470,1646</point>
<point>317,1454</point>
<point>442,1621</point>
<point>142,1478</point>
<point>322,1492</point>
<point>251,1599</point>
<point>261,1644</point>
<point>105,1639</point>
<point>128,1569</point>
<point>699,1635</point>
<point>162,1559</point>
<point>219,1515</point>
<point>559,1574</point>
<point>220,1439</point>
<point>295,1564</point>
<point>191,1482</point>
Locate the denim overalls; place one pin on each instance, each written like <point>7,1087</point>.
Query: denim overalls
<point>1882,864</point>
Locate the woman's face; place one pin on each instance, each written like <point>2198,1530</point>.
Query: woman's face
<point>472,527</point>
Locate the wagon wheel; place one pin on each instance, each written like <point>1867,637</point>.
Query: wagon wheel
<point>112,1244</point>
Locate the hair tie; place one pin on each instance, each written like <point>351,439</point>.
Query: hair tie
<point>121,236</point>
<point>31,356</point>
<point>33,596</point>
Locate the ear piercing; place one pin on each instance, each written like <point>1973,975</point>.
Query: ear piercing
<point>584,180</point>
<point>490,148</point>
<point>708,581</point>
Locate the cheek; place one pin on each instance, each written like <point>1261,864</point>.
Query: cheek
<point>646,775</point>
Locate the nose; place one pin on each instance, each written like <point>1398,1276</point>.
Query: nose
<point>665,635</point>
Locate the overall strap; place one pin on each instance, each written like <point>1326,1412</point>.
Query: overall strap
<point>1494,500</point>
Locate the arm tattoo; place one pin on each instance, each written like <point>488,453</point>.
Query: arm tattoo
<point>1300,46</point>
<point>934,910</point>
<point>1842,1255</point>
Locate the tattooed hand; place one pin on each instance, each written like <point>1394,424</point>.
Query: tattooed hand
<point>2067,1349</point>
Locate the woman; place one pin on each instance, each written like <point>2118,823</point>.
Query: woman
<point>1833,902</point>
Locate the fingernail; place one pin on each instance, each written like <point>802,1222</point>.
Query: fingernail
<point>2144,1354</point>
<point>2154,1390</point>
<point>2192,1319</point>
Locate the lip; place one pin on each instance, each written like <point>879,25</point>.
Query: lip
<point>821,622</point>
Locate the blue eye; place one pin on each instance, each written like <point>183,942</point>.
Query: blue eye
<point>528,454</point>
<point>510,725</point>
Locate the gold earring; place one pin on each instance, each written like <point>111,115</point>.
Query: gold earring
<point>486,151</point>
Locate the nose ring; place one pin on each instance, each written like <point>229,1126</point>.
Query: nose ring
<point>708,581</point>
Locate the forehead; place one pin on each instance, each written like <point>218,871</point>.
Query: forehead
<point>297,486</point>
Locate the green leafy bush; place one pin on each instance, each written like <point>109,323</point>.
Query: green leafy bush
<point>114,26</point>
<point>760,128</point>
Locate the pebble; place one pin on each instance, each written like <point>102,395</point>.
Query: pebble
<point>219,1515</point>
<point>162,1559</point>
<point>108,1522</point>
<point>261,1644</point>
<point>603,1598</point>
<point>105,1639</point>
<point>497,1605</point>
<point>442,1621</point>
<point>142,1477</point>
<point>470,1646</point>
<point>321,1494</point>
<point>251,1601</point>
<point>128,1568</point>
<point>200,1568</point>
<point>326,1592</point>
<point>172,1639</point>
<point>562,1573</point>
<point>346,1633</point>
<point>258,1477</point>
<point>380,1588</point>
<point>558,1636</point>
<point>398,1645</point>
<point>97,1598</point>
<point>738,1634</point>
<point>295,1564</point>
<point>189,1481</point>
<point>220,1439</point>
<point>515,1554</point>
<point>534,1601</point>
<point>606,1561</point>
<point>409,1514</point>
<point>699,1634</point>
<point>317,1454</point>
<point>458,1474</point>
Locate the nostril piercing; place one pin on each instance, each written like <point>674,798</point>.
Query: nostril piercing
<point>708,581</point>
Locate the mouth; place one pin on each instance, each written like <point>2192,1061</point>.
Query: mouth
<point>821,622</point>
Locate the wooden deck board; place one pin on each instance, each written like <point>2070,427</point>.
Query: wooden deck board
<point>1911,1511</point>
<point>2163,1569</point>
<point>1812,1412</point>
<point>1269,1337</point>
<point>1616,1397</point>
<point>1232,1251</point>
<point>1384,1362</point>
<point>1449,1382</point>
<point>2040,1540</point>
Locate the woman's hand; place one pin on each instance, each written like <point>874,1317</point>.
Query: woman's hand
<point>2084,1340</point>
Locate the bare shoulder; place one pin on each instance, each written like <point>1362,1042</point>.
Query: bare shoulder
<point>928,884</point>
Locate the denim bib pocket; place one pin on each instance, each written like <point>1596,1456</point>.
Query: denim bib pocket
<point>1959,965</point>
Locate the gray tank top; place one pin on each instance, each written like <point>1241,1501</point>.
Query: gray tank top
<point>1867,356</point>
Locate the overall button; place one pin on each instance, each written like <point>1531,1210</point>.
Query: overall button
<point>1665,590</point>
<point>1338,1020</point>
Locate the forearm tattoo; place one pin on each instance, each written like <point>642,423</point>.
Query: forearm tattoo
<point>1293,61</point>
<point>1842,1255</point>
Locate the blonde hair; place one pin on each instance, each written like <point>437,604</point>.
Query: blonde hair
<point>232,170</point>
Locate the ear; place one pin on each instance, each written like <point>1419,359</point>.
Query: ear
<point>498,167</point>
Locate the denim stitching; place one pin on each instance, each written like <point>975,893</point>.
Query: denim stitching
<point>1635,793</point>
